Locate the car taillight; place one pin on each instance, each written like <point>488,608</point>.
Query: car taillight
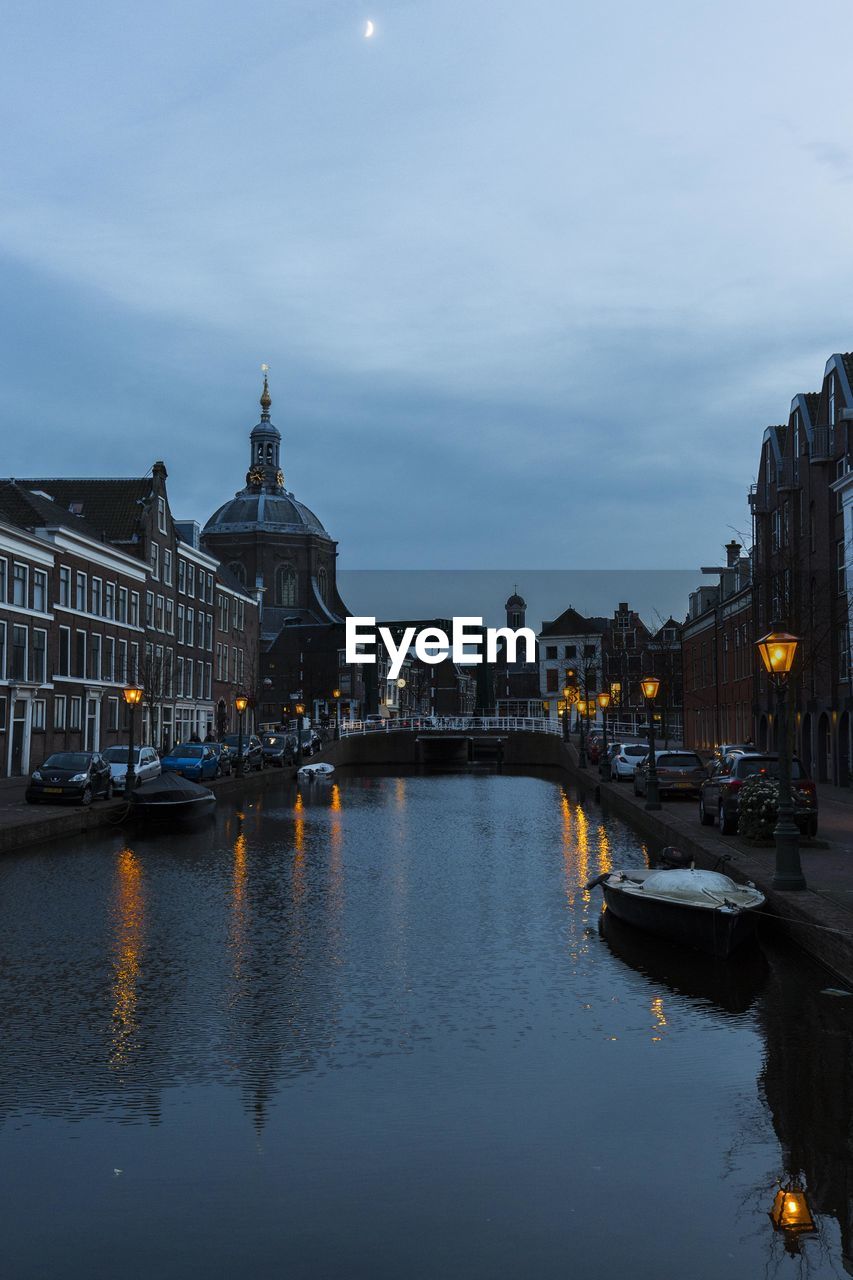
<point>734,783</point>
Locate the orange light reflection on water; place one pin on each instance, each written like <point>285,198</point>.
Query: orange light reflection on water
<point>130,922</point>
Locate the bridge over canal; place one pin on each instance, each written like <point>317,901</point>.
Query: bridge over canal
<point>506,740</point>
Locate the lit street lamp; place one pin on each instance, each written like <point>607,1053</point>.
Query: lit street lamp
<point>581,706</point>
<point>241,702</point>
<point>603,763</point>
<point>778,650</point>
<point>650,686</point>
<point>401,684</point>
<point>300,712</point>
<point>567,693</point>
<point>132,697</point>
<point>336,694</point>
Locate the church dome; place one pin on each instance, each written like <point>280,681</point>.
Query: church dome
<point>274,512</point>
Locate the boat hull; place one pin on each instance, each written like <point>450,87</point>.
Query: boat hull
<point>712,930</point>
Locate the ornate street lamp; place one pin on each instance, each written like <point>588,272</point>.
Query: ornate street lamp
<point>566,695</point>
<point>778,650</point>
<point>792,1216</point>
<point>650,686</point>
<point>401,684</point>
<point>336,694</point>
<point>603,763</point>
<point>132,696</point>
<point>581,706</point>
<point>299,709</point>
<point>241,702</point>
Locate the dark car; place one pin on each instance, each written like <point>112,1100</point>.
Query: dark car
<point>223,754</point>
<point>253,752</point>
<point>719,797</point>
<point>279,748</point>
<point>71,775</point>
<point>679,773</point>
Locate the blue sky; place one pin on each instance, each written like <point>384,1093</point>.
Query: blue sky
<point>531,279</point>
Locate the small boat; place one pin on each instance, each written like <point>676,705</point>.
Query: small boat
<point>172,799</point>
<point>313,772</point>
<point>700,909</point>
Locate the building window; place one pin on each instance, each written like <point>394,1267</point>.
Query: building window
<point>80,655</point>
<point>80,601</point>
<point>19,585</point>
<point>112,714</point>
<point>60,705</point>
<point>109,658</point>
<point>40,590</point>
<point>65,586</point>
<point>95,657</point>
<point>64,655</point>
<point>155,561</point>
<point>209,597</point>
<point>134,609</point>
<point>38,658</point>
<point>182,576</point>
<point>161,514</point>
<point>181,623</point>
<point>839,560</point>
<point>550,651</point>
<point>110,600</point>
<point>832,399</point>
<point>4,568</point>
<point>121,616</point>
<point>322,583</point>
<point>158,614</point>
<point>180,678</point>
<point>134,663</point>
<point>149,608</point>
<point>285,585</point>
<point>167,568</point>
<point>190,579</point>
<point>170,616</point>
<point>76,713</point>
<point>38,715</point>
<point>2,650</point>
<point>19,654</point>
<point>121,674</point>
<point>551,675</point>
<point>190,632</point>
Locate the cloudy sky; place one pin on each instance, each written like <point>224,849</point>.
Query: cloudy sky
<point>531,278</point>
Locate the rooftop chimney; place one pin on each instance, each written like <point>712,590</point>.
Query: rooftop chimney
<point>733,550</point>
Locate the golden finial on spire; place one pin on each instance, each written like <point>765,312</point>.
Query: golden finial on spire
<point>266,398</point>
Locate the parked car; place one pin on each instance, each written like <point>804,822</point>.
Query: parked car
<point>732,749</point>
<point>719,797</point>
<point>374,722</point>
<point>194,760</point>
<point>279,748</point>
<point>71,775</point>
<point>679,773</point>
<point>253,752</point>
<point>146,764</point>
<point>625,759</point>
<point>224,755</point>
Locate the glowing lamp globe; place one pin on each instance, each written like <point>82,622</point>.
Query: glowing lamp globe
<point>241,702</point>
<point>778,650</point>
<point>791,1212</point>
<point>604,701</point>
<point>650,686</point>
<point>132,695</point>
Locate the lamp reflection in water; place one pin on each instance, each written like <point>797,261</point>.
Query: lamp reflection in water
<point>130,903</point>
<point>791,1215</point>
<point>299,848</point>
<point>657,1011</point>
<point>238,902</point>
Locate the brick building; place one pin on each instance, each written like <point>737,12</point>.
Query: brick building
<point>718,656</point>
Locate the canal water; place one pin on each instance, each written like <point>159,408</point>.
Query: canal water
<point>379,1029</point>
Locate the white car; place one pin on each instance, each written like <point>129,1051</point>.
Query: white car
<point>626,759</point>
<point>146,764</point>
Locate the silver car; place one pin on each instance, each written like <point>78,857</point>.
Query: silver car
<point>146,764</point>
<point>679,773</point>
<point>624,760</point>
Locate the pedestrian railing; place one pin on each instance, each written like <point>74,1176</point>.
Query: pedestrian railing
<point>431,724</point>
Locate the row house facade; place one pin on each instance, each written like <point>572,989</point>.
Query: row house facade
<point>801,561</point>
<point>570,643</point>
<point>719,657</point>
<point>113,593</point>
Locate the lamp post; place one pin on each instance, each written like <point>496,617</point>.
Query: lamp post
<point>566,695</point>
<point>132,697</point>
<point>650,686</point>
<point>581,705</point>
<point>336,694</point>
<point>616,693</point>
<point>401,684</point>
<point>241,702</point>
<point>604,703</point>
<point>778,650</point>
<point>300,711</point>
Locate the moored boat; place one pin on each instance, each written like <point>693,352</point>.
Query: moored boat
<point>172,799</point>
<point>700,909</point>
<point>313,772</point>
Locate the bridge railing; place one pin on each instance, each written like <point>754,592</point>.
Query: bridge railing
<point>430,724</point>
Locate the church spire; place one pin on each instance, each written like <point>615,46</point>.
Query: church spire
<point>266,398</point>
<point>265,443</point>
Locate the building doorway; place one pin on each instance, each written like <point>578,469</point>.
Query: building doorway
<point>19,746</point>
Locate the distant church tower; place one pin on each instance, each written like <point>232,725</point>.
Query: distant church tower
<point>516,611</point>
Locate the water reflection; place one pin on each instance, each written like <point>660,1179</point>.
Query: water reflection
<point>129,924</point>
<point>404,985</point>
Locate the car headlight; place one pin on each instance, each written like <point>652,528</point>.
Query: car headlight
<point>36,776</point>
<point>78,777</point>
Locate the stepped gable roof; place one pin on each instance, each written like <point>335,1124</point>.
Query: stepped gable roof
<point>572,623</point>
<point>112,507</point>
<point>29,509</point>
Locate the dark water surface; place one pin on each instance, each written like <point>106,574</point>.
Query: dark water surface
<point>377,1030</point>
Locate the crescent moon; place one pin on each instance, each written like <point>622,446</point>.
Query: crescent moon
<point>369,29</point>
